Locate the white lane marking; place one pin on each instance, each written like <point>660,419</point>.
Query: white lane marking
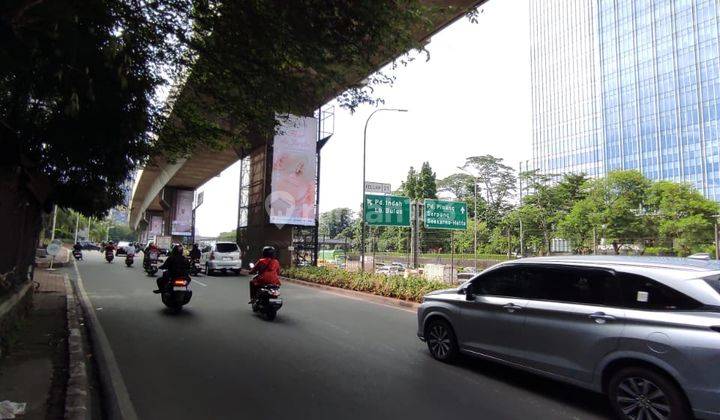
<point>125,406</point>
<point>198,282</point>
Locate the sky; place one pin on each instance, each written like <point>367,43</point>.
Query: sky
<point>471,98</point>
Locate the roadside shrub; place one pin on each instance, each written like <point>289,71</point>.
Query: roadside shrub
<point>412,288</point>
<point>652,251</point>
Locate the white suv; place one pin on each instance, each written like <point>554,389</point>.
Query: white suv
<point>222,256</point>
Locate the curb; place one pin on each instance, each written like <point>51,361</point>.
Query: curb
<point>116,400</point>
<point>77,396</point>
<point>382,300</point>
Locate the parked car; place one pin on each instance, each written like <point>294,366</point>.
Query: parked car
<point>222,256</point>
<point>700,256</point>
<point>90,246</point>
<point>120,248</point>
<point>644,331</point>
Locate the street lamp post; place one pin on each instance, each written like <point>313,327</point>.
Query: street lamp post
<point>362,234</point>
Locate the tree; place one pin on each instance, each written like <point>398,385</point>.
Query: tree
<point>615,206</point>
<point>426,182</point>
<point>410,187</point>
<point>335,221</point>
<point>497,183</point>
<point>460,185</point>
<point>683,216</point>
<point>228,236</point>
<point>75,113</point>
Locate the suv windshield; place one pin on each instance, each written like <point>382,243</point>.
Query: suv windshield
<point>226,247</point>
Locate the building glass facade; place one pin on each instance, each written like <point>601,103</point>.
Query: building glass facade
<point>657,91</point>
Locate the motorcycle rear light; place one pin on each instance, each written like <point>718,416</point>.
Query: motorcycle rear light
<point>179,282</point>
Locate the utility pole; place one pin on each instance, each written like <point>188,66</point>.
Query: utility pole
<point>52,234</point>
<point>362,234</point>
<point>77,226</point>
<point>522,239</point>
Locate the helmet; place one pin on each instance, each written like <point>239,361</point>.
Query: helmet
<point>111,242</point>
<point>268,252</point>
<point>177,249</point>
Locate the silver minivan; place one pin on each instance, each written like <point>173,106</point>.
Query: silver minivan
<point>221,256</point>
<point>645,331</point>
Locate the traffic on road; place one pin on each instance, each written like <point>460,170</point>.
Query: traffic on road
<point>325,355</point>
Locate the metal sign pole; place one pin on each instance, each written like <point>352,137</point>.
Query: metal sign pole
<point>452,257</point>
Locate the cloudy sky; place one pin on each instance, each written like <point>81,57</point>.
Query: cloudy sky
<point>471,98</point>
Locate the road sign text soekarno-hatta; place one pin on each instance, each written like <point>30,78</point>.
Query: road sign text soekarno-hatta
<point>440,214</point>
<point>387,210</point>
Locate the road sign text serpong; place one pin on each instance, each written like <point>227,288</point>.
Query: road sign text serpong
<point>387,210</point>
<point>440,214</point>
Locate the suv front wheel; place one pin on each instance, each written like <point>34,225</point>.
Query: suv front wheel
<point>441,340</point>
<point>642,393</point>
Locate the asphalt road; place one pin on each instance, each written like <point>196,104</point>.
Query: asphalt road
<point>325,356</point>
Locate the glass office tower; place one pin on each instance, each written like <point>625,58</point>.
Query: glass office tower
<point>648,94</point>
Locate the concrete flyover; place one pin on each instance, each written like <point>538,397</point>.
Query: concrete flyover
<point>157,184</point>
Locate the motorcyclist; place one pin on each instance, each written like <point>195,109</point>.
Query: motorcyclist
<point>195,253</point>
<point>130,250</point>
<point>77,247</point>
<point>150,253</point>
<point>268,272</point>
<point>110,247</point>
<point>175,266</point>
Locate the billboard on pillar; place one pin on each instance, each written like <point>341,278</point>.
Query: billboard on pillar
<point>156,226</point>
<point>293,183</point>
<point>182,222</point>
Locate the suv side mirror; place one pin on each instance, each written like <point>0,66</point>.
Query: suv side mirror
<point>469,295</point>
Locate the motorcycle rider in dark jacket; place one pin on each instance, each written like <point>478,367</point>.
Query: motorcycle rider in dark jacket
<point>195,253</point>
<point>175,266</point>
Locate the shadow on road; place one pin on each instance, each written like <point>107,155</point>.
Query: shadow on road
<point>174,313</point>
<point>559,391</point>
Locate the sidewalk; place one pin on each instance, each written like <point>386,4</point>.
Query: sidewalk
<point>35,371</point>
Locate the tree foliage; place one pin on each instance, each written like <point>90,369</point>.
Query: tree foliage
<point>497,183</point>
<point>335,221</point>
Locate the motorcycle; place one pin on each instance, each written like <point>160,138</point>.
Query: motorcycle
<point>151,264</point>
<point>77,254</point>
<point>267,301</point>
<point>176,293</point>
<point>109,256</point>
<point>129,259</point>
<point>195,267</point>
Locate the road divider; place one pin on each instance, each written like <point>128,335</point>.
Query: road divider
<point>353,294</point>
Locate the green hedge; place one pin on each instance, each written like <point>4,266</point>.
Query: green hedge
<point>412,288</point>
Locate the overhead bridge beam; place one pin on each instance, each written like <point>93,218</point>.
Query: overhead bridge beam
<point>163,177</point>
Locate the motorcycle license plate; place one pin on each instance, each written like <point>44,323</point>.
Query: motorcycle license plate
<point>179,289</point>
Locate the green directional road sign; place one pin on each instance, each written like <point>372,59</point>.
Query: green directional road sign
<point>441,214</point>
<point>387,210</point>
